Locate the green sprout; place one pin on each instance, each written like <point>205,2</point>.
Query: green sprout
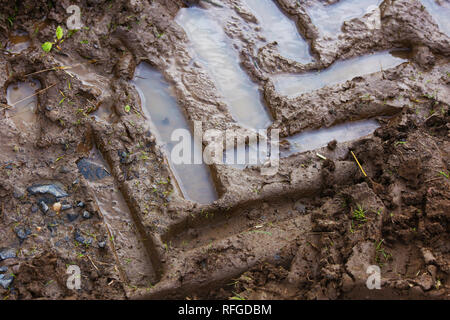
<point>360,214</point>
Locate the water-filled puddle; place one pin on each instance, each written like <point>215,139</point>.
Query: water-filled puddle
<point>278,27</point>
<point>17,42</point>
<point>23,103</point>
<point>315,139</point>
<point>215,52</point>
<point>84,72</point>
<point>129,248</point>
<point>341,71</point>
<point>329,18</point>
<point>160,105</point>
<point>301,142</point>
<point>440,10</point>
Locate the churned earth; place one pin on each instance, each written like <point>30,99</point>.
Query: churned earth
<point>87,179</point>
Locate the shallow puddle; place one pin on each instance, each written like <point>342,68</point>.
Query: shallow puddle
<point>215,52</point>
<point>160,105</point>
<point>329,18</point>
<point>128,245</point>
<point>440,10</point>
<point>276,26</point>
<point>340,71</point>
<point>17,42</point>
<point>311,140</point>
<point>84,72</point>
<point>23,104</point>
<point>302,142</point>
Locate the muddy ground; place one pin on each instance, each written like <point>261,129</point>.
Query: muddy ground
<point>294,235</point>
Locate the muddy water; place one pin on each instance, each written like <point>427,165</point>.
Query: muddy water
<point>341,71</point>
<point>84,72</point>
<point>329,18</point>
<point>311,140</point>
<point>302,142</point>
<point>440,10</point>
<point>215,52</point>
<point>17,42</point>
<point>161,107</point>
<point>19,97</point>
<point>128,245</point>
<point>278,27</point>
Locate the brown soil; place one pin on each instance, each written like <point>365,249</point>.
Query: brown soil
<point>289,236</point>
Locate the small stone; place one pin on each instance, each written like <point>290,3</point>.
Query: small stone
<point>66,207</point>
<point>7,253</point>
<point>22,233</point>
<point>57,206</point>
<point>72,217</point>
<point>43,206</point>
<point>80,204</point>
<point>86,214</point>
<point>6,281</point>
<point>80,239</point>
<point>91,171</point>
<point>102,244</point>
<point>3,269</point>
<point>52,189</point>
<point>124,157</point>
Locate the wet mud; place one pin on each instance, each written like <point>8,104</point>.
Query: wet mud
<point>87,179</point>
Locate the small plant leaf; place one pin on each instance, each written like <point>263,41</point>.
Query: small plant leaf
<point>127,108</point>
<point>47,46</point>
<point>59,33</point>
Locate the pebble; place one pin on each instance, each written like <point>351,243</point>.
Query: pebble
<point>80,204</point>
<point>124,157</point>
<point>72,217</point>
<point>86,214</point>
<point>102,244</point>
<point>43,206</point>
<point>22,233</point>
<point>6,281</point>
<point>3,269</point>
<point>91,171</point>
<point>52,189</point>
<point>79,238</point>
<point>66,207</point>
<point>7,253</point>
<point>57,206</point>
